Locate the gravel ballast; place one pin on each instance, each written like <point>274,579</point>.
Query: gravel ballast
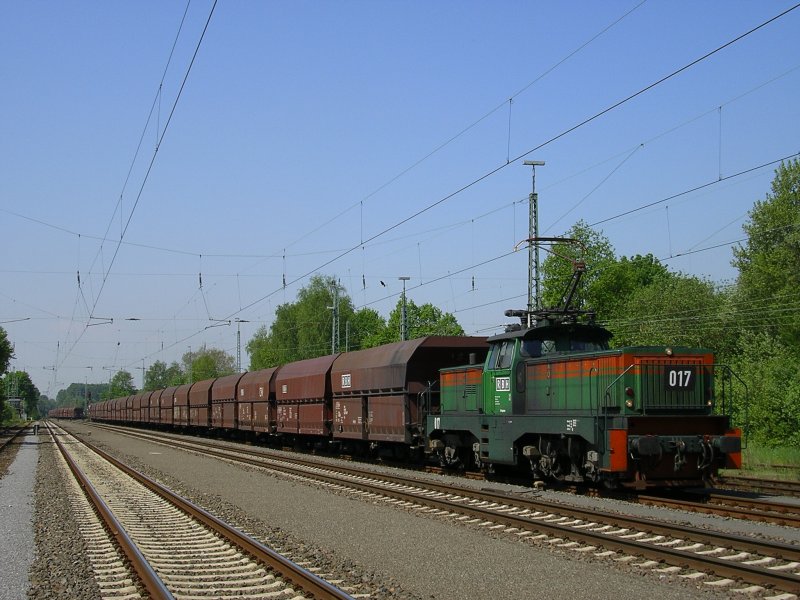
<point>392,552</point>
<point>61,568</point>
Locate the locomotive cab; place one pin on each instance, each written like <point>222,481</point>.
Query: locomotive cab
<point>511,351</point>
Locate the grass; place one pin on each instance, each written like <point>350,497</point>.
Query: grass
<point>769,463</point>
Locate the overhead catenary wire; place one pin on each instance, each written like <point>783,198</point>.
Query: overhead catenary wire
<point>209,254</point>
<point>552,139</point>
<point>472,125</point>
<point>472,266</point>
<point>145,178</point>
<point>694,189</point>
<point>450,274</point>
<point>156,99</point>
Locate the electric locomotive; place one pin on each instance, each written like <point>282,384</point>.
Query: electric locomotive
<point>555,398</point>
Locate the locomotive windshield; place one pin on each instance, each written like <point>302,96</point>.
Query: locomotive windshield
<point>548,340</point>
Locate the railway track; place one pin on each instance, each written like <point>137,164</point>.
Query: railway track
<point>713,503</point>
<point>9,435</point>
<point>749,509</point>
<point>781,487</point>
<point>166,547</point>
<point>738,563</point>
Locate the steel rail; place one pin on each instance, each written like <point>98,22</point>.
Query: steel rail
<point>14,436</point>
<point>302,578</point>
<point>783,486</point>
<point>749,509</point>
<point>785,581</point>
<point>152,583</point>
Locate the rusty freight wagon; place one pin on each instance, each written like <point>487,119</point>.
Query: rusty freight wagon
<point>382,394</point>
<point>303,397</point>
<point>154,410</point>
<point>180,408</point>
<point>223,402</point>
<point>128,415</point>
<point>144,406</point>
<point>255,401</point>
<point>200,404</point>
<point>166,404</point>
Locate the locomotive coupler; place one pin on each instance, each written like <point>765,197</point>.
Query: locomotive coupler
<point>706,458</point>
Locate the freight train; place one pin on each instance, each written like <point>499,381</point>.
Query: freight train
<point>552,398</point>
<point>66,412</point>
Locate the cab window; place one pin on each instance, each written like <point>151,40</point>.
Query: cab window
<point>505,354</point>
<point>531,348</point>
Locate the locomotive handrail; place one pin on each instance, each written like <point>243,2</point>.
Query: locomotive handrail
<point>727,410</point>
<point>731,373</point>
<point>607,393</point>
<point>591,401</point>
<point>601,414</point>
<point>425,400</point>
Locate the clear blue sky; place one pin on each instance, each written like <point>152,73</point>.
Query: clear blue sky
<point>296,134</point>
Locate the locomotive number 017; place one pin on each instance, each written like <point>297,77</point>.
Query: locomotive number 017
<point>679,378</point>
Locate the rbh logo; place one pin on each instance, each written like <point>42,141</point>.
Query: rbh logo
<point>502,384</point>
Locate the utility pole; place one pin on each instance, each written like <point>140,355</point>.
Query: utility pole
<point>142,368</point>
<point>534,292</point>
<point>86,388</point>
<point>335,320</point>
<point>239,344</point>
<point>403,315</point>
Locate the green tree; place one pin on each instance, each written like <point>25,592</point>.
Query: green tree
<point>28,392</point>
<point>366,322</point>
<point>422,320</point>
<point>771,371</point>
<point>6,354</point>
<point>613,286</point>
<point>302,329</point>
<point>594,249</point>
<point>208,363</point>
<point>45,404</point>
<point>80,394</point>
<point>768,262</point>
<point>160,376</point>
<point>18,384</point>
<point>673,310</point>
<point>121,385</point>
<point>6,351</point>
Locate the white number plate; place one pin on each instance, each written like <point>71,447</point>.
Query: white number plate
<point>679,378</point>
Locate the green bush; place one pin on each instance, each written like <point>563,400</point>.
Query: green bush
<point>771,372</point>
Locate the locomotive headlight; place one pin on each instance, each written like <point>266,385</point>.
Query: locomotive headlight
<point>709,403</point>
<point>629,394</point>
<point>669,351</point>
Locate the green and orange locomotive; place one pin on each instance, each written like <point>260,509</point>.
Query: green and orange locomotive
<point>556,397</point>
